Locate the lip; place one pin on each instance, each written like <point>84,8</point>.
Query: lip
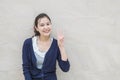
<point>47,31</point>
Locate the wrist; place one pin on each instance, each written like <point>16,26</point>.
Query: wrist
<point>61,46</point>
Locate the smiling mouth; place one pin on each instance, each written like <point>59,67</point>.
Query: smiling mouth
<point>47,31</point>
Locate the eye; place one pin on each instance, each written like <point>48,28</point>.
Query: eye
<point>41,25</point>
<point>48,24</point>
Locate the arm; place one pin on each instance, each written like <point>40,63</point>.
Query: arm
<point>62,56</point>
<point>26,62</point>
<point>63,63</point>
<point>63,53</point>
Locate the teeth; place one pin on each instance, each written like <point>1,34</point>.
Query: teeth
<point>46,31</point>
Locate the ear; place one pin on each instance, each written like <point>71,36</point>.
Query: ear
<point>36,28</point>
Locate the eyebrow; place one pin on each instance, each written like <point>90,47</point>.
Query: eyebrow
<point>46,22</point>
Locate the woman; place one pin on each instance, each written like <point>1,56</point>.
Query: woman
<point>40,52</point>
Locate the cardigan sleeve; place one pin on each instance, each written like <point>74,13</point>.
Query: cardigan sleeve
<point>64,65</point>
<point>26,62</point>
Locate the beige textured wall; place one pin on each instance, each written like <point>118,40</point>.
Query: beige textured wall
<point>91,29</point>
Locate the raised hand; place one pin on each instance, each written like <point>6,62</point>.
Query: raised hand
<point>60,39</point>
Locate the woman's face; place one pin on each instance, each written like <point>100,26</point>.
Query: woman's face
<point>44,26</point>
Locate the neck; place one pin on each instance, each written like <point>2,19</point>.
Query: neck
<point>44,38</point>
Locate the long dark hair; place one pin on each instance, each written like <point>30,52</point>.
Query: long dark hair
<point>41,15</point>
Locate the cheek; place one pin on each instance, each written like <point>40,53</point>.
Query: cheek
<point>50,26</point>
<point>39,29</point>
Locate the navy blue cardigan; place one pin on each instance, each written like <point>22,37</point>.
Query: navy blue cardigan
<point>48,71</point>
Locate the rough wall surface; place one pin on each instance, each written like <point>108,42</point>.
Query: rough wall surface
<point>91,29</point>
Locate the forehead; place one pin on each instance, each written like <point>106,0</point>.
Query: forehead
<point>43,20</point>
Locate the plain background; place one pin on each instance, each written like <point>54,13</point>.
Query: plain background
<point>91,29</point>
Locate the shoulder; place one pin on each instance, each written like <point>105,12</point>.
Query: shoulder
<point>28,41</point>
<point>54,40</point>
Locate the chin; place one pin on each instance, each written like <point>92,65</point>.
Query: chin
<point>47,34</point>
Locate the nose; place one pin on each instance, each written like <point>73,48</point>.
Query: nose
<point>46,26</point>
